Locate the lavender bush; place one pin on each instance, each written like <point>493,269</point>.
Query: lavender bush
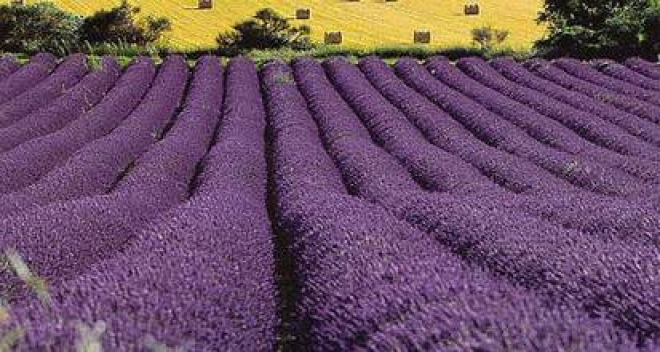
<point>8,65</point>
<point>329,206</point>
<point>75,102</point>
<point>68,73</point>
<point>27,76</point>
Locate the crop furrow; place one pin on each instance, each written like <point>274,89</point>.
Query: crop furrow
<point>644,67</point>
<point>112,220</point>
<point>80,160</point>
<point>625,74</point>
<point>500,133</point>
<point>587,73</point>
<point>25,78</point>
<point>633,124</point>
<point>205,269</point>
<point>40,95</point>
<point>586,125</point>
<point>543,129</point>
<point>8,65</point>
<point>434,167</point>
<point>356,259</point>
<point>74,103</point>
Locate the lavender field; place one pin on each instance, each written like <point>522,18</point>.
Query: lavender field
<point>454,206</point>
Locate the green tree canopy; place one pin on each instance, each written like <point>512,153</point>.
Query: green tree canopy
<point>39,27</point>
<point>122,25</point>
<point>600,28</point>
<point>266,30</point>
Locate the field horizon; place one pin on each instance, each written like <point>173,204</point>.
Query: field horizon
<point>364,24</point>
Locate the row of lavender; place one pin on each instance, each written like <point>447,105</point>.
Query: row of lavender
<point>494,206</point>
<point>120,208</point>
<point>344,135</point>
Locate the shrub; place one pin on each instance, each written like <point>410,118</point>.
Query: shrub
<point>121,25</point>
<point>39,27</point>
<point>266,30</point>
<point>487,37</point>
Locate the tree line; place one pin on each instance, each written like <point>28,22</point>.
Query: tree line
<point>577,28</point>
<point>600,28</point>
<point>45,27</point>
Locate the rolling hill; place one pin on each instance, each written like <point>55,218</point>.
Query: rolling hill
<point>365,23</point>
<point>329,206</point>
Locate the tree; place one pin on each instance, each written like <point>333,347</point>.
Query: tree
<point>154,27</point>
<point>266,30</point>
<point>599,28</point>
<point>486,37</point>
<point>651,31</point>
<point>121,25</point>
<point>39,27</point>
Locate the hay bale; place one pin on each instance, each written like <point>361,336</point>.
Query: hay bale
<point>333,38</point>
<point>205,4</point>
<point>303,14</point>
<point>471,9</point>
<point>422,37</point>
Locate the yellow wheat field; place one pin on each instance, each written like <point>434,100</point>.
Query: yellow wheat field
<point>364,24</point>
